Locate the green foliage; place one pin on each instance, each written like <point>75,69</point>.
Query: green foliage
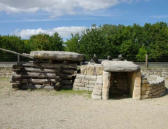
<point>46,42</point>
<point>11,43</point>
<point>36,42</point>
<point>141,54</point>
<point>73,43</point>
<point>133,42</point>
<point>93,42</point>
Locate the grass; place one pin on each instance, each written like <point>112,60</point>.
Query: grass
<point>62,92</point>
<point>5,85</point>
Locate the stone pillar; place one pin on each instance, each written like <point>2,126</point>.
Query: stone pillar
<point>137,85</point>
<point>106,85</point>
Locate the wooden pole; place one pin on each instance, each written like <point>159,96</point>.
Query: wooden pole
<point>16,53</point>
<point>146,61</point>
<point>18,59</point>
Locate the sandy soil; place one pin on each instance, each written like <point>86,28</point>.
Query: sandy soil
<point>52,110</point>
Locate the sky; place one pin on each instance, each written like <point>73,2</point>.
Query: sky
<point>28,17</point>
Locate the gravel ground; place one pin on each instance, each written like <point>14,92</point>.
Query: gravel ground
<point>53,110</point>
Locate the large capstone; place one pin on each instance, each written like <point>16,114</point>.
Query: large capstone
<point>119,66</point>
<point>57,55</point>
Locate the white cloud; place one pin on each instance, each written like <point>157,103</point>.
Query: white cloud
<point>64,32</point>
<point>57,7</point>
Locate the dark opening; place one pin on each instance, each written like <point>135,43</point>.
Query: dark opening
<point>120,85</point>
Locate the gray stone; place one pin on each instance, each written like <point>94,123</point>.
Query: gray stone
<point>96,97</point>
<point>97,92</point>
<point>154,79</point>
<point>120,66</point>
<point>57,55</point>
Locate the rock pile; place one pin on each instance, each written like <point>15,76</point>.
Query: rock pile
<point>48,70</point>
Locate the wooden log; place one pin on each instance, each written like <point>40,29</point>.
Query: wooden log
<point>66,87</point>
<point>36,75</point>
<point>40,70</point>
<point>69,71</point>
<point>42,87</point>
<point>16,53</point>
<point>36,81</point>
<point>57,55</point>
<point>66,82</point>
<point>15,85</point>
<point>50,66</point>
<point>67,77</point>
<point>43,81</point>
<point>46,66</point>
<point>16,70</point>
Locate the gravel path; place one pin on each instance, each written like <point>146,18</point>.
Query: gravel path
<point>49,110</point>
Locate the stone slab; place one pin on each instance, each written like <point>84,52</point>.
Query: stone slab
<point>120,66</point>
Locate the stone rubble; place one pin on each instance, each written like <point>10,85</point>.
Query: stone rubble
<point>152,86</point>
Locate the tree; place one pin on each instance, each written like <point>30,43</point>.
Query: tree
<point>141,54</point>
<point>93,42</point>
<point>56,43</point>
<point>73,43</point>
<point>46,42</point>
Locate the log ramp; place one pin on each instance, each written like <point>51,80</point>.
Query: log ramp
<point>49,69</point>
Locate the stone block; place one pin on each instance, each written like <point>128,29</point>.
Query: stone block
<point>75,88</point>
<point>77,81</point>
<point>89,86</point>
<point>79,84</point>
<point>96,97</point>
<point>120,66</point>
<point>136,93</point>
<point>82,88</point>
<point>90,89</point>
<point>91,70</point>
<point>97,92</point>
<point>99,69</point>
<point>83,69</point>
<point>91,82</point>
<point>91,77</point>
<point>99,87</point>
<point>144,81</point>
<point>145,96</point>
<point>99,80</point>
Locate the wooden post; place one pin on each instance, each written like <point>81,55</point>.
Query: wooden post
<point>18,58</point>
<point>146,60</point>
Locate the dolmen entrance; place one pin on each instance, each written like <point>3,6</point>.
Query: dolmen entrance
<point>109,79</point>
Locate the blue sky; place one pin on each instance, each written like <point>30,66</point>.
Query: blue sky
<point>28,17</point>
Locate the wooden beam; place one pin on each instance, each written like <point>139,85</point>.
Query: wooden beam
<point>16,53</point>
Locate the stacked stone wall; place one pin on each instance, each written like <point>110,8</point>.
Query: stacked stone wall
<point>97,90</point>
<point>162,72</point>
<point>88,76</point>
<point>152,86</point>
